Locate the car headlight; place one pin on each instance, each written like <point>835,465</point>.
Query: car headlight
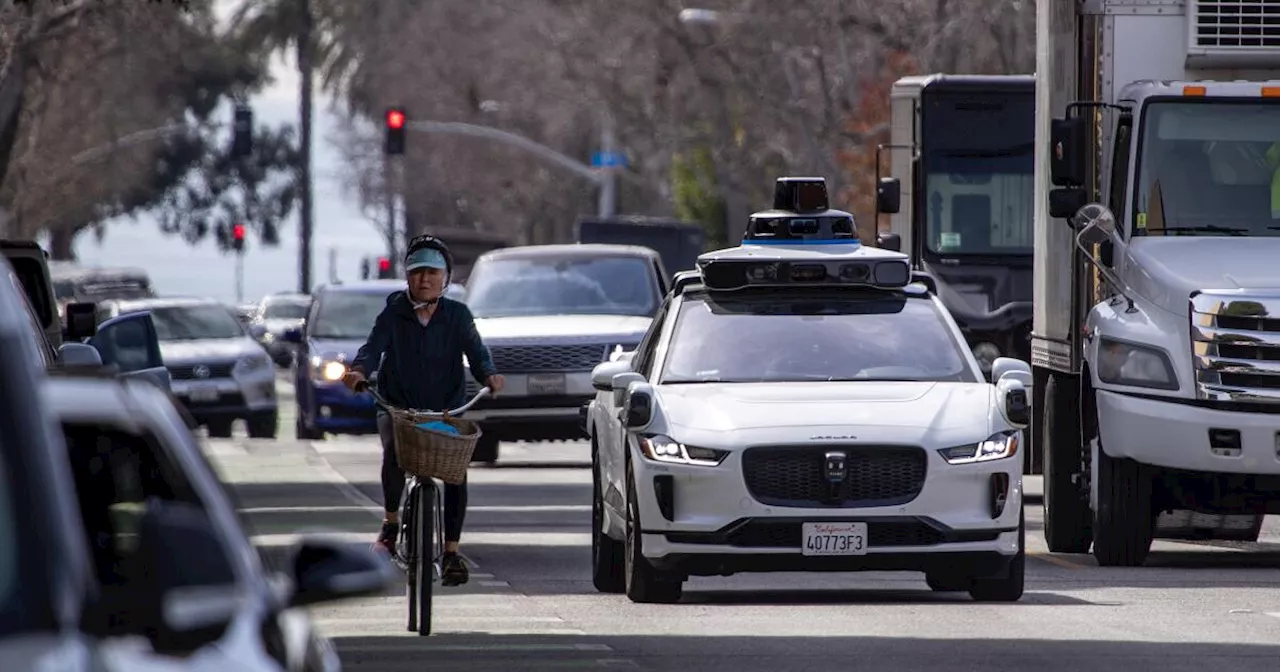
<point>327,369</point>
<point>664,449</point>
<point>997,447</point>
<point>986,354</point>
<point>254,362</point>
<point>1123,363</point>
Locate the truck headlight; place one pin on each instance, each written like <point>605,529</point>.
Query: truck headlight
<point>1124,363</point>
<point>997,447</point>
<point>664,449</point>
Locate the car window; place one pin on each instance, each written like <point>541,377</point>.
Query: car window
<point>285,310</point>
<point>346,315</point>
<point>790,337</point>
<point>190,323</point>
<point>643,359</point>
<point>36,332</point>
<point>570,285</point>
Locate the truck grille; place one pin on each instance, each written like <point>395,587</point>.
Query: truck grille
<point>1235,346</point>
<point>530,358</point>
<point>188,371</point>
<point>1237,24</point>
<point>794,475</point>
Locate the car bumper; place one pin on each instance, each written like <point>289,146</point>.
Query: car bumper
<point>244,394</point>
<point>336,409</point>
<point>1176,435</point>
<point>710,512</point>
<point>516,415</point>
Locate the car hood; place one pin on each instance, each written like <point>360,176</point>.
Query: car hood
<point>278,326</point>
<point>330,348</point>
<point>624,328</point>
<point>1165,270</point>
<point>721,407</point>
<point>208,350</point>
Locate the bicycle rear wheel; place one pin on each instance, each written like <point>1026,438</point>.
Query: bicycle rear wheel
<point>423,577</point>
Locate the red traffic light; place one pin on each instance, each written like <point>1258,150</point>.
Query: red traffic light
<point>237,231</point>
<point>395,119</point>
<point>384,264</point>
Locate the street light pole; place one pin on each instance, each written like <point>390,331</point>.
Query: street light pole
<point>304,143</point>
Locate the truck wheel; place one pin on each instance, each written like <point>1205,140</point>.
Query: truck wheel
<point>1123,525</point>
<point>643,583</point>
<point>1067,517</point>
<point>1007,588</point>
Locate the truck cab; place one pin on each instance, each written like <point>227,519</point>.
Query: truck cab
<point>1156,336</point>
<point>960,198</point>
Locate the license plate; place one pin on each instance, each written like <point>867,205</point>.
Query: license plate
<point>833,539</point>
<point>203,394</point>
<point>546,383</point>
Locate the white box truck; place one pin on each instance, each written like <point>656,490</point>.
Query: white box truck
<point>1156,331</point>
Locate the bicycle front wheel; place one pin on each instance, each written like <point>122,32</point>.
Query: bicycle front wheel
<point>423,579</point>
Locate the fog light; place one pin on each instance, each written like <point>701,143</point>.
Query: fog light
<point>999,494</point>
<point>325,412</point>
<point>664,489</point>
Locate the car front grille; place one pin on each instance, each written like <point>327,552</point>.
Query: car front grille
<point>188,371</point>
<point>533,358</point>
<point>794,476</point>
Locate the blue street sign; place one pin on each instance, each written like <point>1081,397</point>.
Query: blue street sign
<point>608,160</point>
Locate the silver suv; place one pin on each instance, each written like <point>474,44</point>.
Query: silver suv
<point>550,314</point>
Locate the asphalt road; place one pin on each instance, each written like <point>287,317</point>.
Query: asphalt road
<point>530,604</point>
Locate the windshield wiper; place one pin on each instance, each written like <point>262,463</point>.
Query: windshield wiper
<point>1207,228</point>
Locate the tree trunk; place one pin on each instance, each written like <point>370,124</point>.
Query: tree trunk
<point>12,84</point>
<point>304,146</point>
<point>60,244</point>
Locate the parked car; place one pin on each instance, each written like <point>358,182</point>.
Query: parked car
<point>276,314</point>
<point>220,373</point>
<point>339,323</point>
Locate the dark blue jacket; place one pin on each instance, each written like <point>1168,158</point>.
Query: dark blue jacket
<point>423,366</point>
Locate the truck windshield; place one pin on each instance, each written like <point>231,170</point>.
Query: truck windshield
<point>563,285</point>
<point>978,156</point>
<point>780,337</point>
<point>1209,168</point>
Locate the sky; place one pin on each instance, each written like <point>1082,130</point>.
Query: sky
<point>177,268</point>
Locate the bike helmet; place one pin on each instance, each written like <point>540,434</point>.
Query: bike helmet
<point>426,242</point>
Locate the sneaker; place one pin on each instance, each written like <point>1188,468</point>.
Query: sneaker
<point>387,538</point>
<point>453,570</point>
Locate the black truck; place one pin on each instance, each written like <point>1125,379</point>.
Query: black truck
<point>677,242</point>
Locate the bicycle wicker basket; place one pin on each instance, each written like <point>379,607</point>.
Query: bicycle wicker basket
<point>428,453</point>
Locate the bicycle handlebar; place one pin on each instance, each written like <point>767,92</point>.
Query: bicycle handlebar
<point>483,392</point>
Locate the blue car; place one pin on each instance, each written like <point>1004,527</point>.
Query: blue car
<point>337,324</point>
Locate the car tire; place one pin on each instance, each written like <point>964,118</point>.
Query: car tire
<point>486,451</point>
<point>219,429</point>
<point>264,425</point>
<point>608,556</point>
<point>304,433</point>
<point>1009,587</point>
<point>643,583</point>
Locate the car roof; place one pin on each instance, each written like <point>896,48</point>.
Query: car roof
<point>89,399</point>
<point>570,250</point>
<point>365,286</point>
<point>291,297</point>
<point>163,302</point>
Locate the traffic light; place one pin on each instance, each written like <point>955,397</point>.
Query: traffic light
<point>384,269</point>
<point>396,119</point>
<point>237,238</point>
<point>242,133</point>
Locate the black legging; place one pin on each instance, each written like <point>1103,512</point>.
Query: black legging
<point>455,496</point>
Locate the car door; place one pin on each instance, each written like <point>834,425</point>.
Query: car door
<point>129,343</point>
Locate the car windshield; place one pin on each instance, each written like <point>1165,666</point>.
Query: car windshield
<point>776,337</point>
<point>347,315</point>
<point>1209,168</point>
<point>570,285</point>
<point>190,323</point>
<point>285,310</point>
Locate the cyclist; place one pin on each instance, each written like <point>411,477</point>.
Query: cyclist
<point>417,344</point>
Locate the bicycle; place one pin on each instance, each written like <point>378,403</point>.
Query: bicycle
<point>422,455</point>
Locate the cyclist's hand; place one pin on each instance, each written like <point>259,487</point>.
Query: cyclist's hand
<point>354,380</point>
<point>495,383</point>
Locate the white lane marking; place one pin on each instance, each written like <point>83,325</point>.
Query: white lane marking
<point>305,509</point>
<point>224,448</point>
<point>413,643</point>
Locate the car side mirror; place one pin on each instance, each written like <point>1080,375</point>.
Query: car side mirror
<point>889,241</point>
<point>602,375</point>
<point>129,343</point>
<point>324,571</point>
<point>292,335</point>
<point>1066,151</point>
<point>889,195</point>
<point>77,355</point>
<point>186,588</point>
<point>81,321</point>
<point>639,407</point>
<point>1015,401</point>
<point>1065,202</point>
<point>620,382</point>
<point>1003,366</point>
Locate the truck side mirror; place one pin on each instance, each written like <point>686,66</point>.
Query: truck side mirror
<point>889,241</point>
<point>1065,202</point>
<point>888,196</point>
<point>1066,151</point>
